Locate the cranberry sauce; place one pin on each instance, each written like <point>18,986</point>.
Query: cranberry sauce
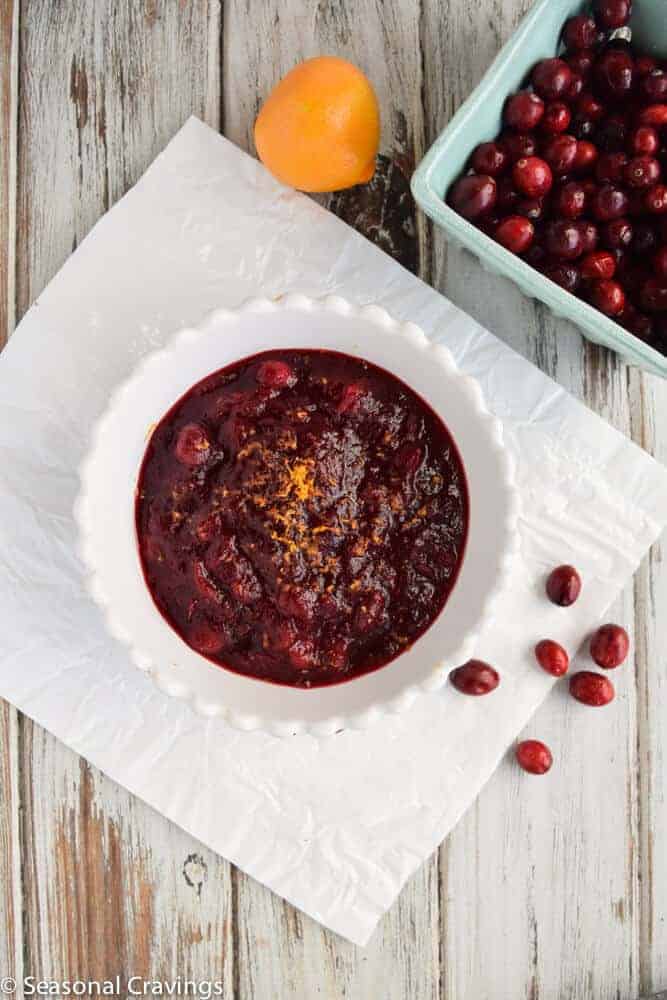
<point>301,517</point>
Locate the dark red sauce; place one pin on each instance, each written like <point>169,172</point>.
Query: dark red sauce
<point>301,517</point>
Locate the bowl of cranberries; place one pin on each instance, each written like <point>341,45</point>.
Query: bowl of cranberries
<point>554,173</point>
<point>298,515</point>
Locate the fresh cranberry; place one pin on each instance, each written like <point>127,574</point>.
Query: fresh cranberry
<point>644,141</point>
<point>524,111</point>
<point>563,240</point>
<point>656,199</point>
<point>589,107</point>
<point>660,264</point>
<point>610,168</point>
<point>557,117</point>
<point>552,657</point>
<point>475,677</point>
<point>590,235</point>
<point>611,134</point>
<point>489,158</point>
<point>580,32</point>
<point>613,74</point>
<point>599,265</point>
<point>536,255</point>
<point>507,195</point>
<point>636,322</point>
<point>563,586</point>
<point>617,234</point>
<point>517,145</point>
<point>642,172</point>
<point>551,78</point>
<point>644,239</point>
<point>610,646</point>
<point>585,157</point>
<point>581,62</point>
<point>612,14</point>
<point>653,87</point>
<point>608,297</point>
<point>534,756</point>
<point>192,445</point>
<point>591,689</point>
<point>565,275</point>
<point>576,88</point>
<point>275,374</point>
<point>532,176</point>
<point>560,152</point>
<point>653,295</point>
<point>655,115</point>
<point>570,201</point>
<point>608,203</point>
<point>474,196</point>
<point>533,209</point>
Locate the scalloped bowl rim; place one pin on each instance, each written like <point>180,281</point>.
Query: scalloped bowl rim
<point>107,537</point>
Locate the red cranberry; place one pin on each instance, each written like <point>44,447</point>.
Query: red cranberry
<point>617,234</point>
<point>524,111</point>
<point>551,78</point>
<point>590,236</point>
<point>507,195</point>
<point>557,117</point>
<point>489,158</point>
<point>653,87</point>
<point>653,295</point>
<point>517,145</point>
<point>582,128</point>
<point>570,201</point>
<point>275,374</point>
<point>580,32</point>
<point>610,168</point>
<point>612,14</point>
<point>608,297</point>
<point>563,586</point>
<point>608,203</point>
<point>656,199</point>
<point>598,265</point>
<point>636,322</point>
<point>660,264</point>
<point>475,677</point>
<point>192,445</point>
<point>565,275</point>
<point>591,689</point>
<point>576,88</point>
<point>614,73</point>
<point>534,756</point>
<point>642,172</point>
<point>644,240</point>
<point>589,107</point>
<point>581,62</point>
<point>552,657</point>
<point>610,646</point>
<point>561,153</point>
<point>585,157</point>
<point>535,255</point>
<point>644,141</point>
<point>474,195</point>
<point>655,115</point>
<point>563,240</point>
<point>532,176</point>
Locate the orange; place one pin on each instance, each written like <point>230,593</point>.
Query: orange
<point>319,128</point>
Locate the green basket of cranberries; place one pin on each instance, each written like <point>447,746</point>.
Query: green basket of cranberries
<point>554,173</point>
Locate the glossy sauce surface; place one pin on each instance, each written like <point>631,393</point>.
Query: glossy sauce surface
<point>301,517</point>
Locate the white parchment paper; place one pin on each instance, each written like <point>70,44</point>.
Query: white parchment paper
<point>336,827</point>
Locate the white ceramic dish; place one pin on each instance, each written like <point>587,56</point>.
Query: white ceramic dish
<point>105,512</point>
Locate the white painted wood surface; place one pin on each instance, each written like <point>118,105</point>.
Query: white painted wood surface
<point>553,889</point>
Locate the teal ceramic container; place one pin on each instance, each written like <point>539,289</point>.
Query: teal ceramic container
<point>478,120</point>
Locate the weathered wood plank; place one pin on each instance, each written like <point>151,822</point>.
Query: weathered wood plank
<point>11,907</point>
<point>9,21</point>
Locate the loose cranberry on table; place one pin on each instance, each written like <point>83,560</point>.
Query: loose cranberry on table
<point>610,646</point>
<point>475,678</point>
<point>563,586</point>
<point>552,657</point>
<point>591,689</point>
<point>534,756</point>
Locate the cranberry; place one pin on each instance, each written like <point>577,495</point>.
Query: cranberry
<point>655,115</point>
<point>557,117</point>
<point>617,234</point>
<point>581,62</point>
<point>653,87</point>
<point>644,239</point>
<point>610,646</point>
<point>474,195</point>
<point>532,208</point>
<point>563,586</point>
<point>612,14</point>
<point>591,689</point>
<point>580,32</point>
<point>585,157</point>
<point>656,199</point>
<point>653,295</point>
<point>551,78</point>
<point>524,111</point>
<point>614,74</point>
<point>552,657</point>
<point>507,195</point>
<point>489,158</point>
<point>475,677</point>
<point>275,374</point>
<point>590,236</point>
<point>561,153</point>
<point>192,445</point>
<point>206,639</point>
<point>589,107</point>
<point>636,322</point>
<point>644,141</point>
<point>532,176</point>
<point>608,297</point>
<point>642,172</point>
<point>565,275</point>
<point>610,168</point>
<point>576,88</point>
<point>598,265</point>
<point>563,240</point>
<point>517,145</point>
<point>611,135</point>
<point>608,203</point>
<point>536,255</point>
<point>534,756</point>
<point>570,201</point>
<point>660,264</point>
<point>582,128</point>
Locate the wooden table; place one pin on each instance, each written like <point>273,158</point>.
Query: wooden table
<point>547,889</point>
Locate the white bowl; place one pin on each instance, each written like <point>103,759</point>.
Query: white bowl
<point>105,512</point>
